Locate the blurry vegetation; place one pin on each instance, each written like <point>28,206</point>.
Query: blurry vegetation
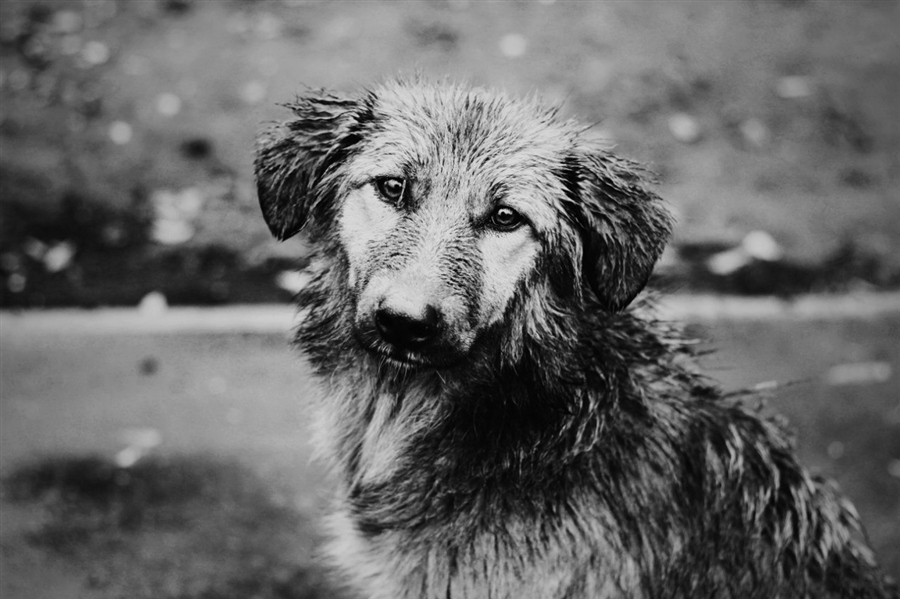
<point>127,129</point>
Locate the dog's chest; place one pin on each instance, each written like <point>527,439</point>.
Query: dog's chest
<point>503,555</point>
<point>512,559</point>
<point>383,441</point>
<point>368,431</point>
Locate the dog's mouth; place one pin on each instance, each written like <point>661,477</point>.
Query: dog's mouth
<point>438,358</point>
<point>408,361</point>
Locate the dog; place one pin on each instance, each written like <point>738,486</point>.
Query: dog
<point>505,419</point>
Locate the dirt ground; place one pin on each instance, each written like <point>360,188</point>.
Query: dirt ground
<point>221,500</point>
<point>222,506</point>
<point>127,128</point>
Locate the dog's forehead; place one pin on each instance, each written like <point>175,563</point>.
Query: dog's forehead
<point>473,124</point>
<point>464,137</point>
<point>460,144</point>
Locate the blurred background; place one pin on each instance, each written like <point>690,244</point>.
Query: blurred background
<point>127,129</point>
<point>170,464</point>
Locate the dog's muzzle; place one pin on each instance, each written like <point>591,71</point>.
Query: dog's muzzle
<point>408,330</point>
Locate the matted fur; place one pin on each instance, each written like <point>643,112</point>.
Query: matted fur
<point>550,441</point>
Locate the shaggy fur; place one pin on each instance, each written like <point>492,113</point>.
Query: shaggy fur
<point>502,423</point>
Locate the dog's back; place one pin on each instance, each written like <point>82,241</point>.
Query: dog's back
<point>502,425</point>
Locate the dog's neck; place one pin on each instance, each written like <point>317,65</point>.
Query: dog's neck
<point>486,416</point>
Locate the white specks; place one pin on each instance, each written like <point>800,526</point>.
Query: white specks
<point>858,373</point>
<point>171,232</point>
<point>762,246</point>
<point>513,45</point>
<point>756,245</point>
<point>95,53</point>
<point>120,133</point>
<point>254,92</point>
<point>142,437</point>
<point>684,128</point>
<point>140,441</point>
<point>16,282</point>
<point>59,256</point>
<point>727,262</point>
<point>794,87</point>
<point>153,304</point>
<point>894,468</point>
<point>766,386</point>
<point>168,104</point>
<point>174,213</point>
<point>128,457</point>
<point>294,281</point>
<point>34,248</point>
<point>755,132</point>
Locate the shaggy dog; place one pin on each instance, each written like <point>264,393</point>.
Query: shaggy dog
<point>502,424</point>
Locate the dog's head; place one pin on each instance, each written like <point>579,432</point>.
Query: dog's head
<point>450,207</point>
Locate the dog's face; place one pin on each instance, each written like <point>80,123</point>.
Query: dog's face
<point>447,204</point>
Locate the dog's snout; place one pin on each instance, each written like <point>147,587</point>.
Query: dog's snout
<point>407,326</point>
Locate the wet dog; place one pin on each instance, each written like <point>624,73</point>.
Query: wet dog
<point>504,422</point>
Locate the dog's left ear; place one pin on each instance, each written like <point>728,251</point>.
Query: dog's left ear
<point>294,161</point>
<point>624,226</point>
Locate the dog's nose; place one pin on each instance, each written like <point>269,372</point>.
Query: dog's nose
<point>405,327</point>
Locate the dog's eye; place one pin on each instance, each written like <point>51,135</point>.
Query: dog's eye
<point>390,188</point>
<point>505,218</point>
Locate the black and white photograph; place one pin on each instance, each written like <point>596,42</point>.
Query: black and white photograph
<point>450,299</point>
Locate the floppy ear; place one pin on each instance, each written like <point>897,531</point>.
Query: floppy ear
<point>624,226</point>
<point>295,160</point>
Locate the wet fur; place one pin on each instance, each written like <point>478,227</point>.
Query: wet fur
<point>563,447</point>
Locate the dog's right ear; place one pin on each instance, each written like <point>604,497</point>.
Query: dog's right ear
<point>295,161</point>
